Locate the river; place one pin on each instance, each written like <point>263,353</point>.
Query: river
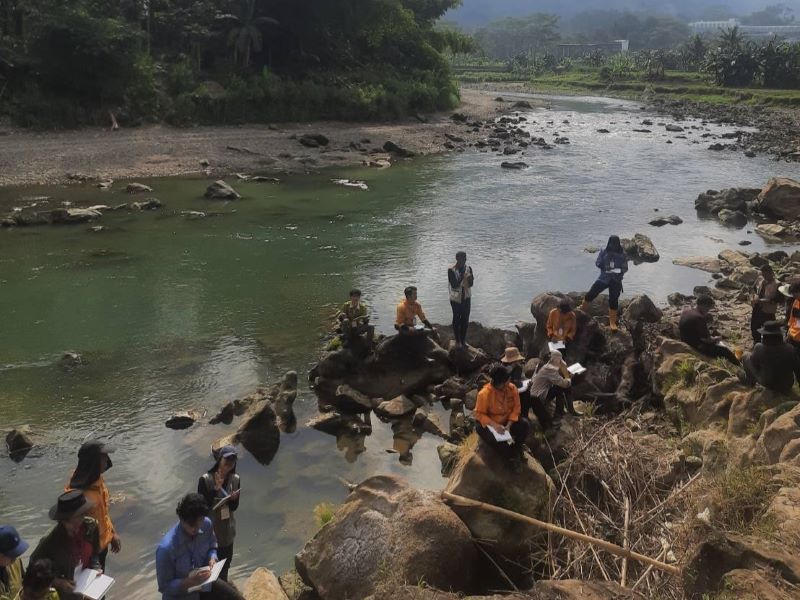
<point>171,313</point>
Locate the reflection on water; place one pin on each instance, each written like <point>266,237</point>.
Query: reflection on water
<point>171,313</point>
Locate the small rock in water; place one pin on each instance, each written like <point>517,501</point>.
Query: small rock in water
<point>96,228</point>
<point>514,165</point>
<point>18,440</point>
<point>591,249</point>
<point>219,190</point>
<point>745,243</point>
<point>138,188</point>
<point>361,185</point>
<point>149,204</point>
<point>603,131</point>
<point>71,359</point>
<point>397,150</point>
<point>182,420</point>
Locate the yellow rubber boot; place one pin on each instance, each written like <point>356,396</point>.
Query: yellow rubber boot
<point>585,306</point>
<point>612,319</point>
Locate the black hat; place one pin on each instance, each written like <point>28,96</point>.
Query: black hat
<point>11,545</point>
<point>70,504</point>
<point>772,328</point>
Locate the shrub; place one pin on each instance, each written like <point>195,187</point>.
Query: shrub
<point>323,513</point>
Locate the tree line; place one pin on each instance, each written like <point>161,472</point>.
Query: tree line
<point>222,61</point>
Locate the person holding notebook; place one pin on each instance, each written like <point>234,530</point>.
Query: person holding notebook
<point>613,265</point>
<point>220,487</point>
<point>497,412</point>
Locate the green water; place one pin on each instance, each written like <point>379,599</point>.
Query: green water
<point>171,313</point>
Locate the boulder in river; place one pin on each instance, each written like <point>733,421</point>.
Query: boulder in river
<point>70,216</point>
<point>19,442</point>
<point>640,248</point>
<point>670,220</point>
<point>263,585</point>
<point>335,423</point>
<point>149,204</point>
<point>283,397</point>
<point>771,230</point>
<point>219,190</point>
<point>734,218</point>
<point>351,400</point>
<point>182,420</point>
<point>712,201</point>
<point>260,433</point>
<point>393,148</point>
<point>387,531</point>
<point>514,166</point>
<point>708,264</point>
<point>780,198</point>
<point>138,188</point>
<point>642,308</point>
<point>395,408</point>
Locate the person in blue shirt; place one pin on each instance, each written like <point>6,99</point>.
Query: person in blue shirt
<point>187,553</point>
<point>613,265</point>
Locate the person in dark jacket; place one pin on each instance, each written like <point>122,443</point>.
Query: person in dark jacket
<point>460,279</point>
<point>693,326</point>
<point>221,481</point>
<point>773,362</point>
<point>38,581</point>
<point>766,298</point>
<point>613,265</point>
<point>75,540</point>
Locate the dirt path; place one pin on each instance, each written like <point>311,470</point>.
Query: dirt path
<point>32,158</point>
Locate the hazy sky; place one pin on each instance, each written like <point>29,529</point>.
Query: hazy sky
<point>476,12</point>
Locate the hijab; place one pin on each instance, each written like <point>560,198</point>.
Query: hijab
<point>89,466</point>
<point>614,245</point>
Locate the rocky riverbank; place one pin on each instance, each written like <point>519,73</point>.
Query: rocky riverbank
<point>28,158</point>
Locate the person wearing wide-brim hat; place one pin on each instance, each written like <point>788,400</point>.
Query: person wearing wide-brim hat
<point>773,363</point>
<point>512,355</point>
<point>12,547</point>
<point>74,540</point>
<point>93,461</point>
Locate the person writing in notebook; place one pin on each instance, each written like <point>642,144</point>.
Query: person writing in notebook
<point>408,311</point>
<point>497,411</point>
<point>562,323</point>
<point>187,553</point>
<point>552,382</point>
<point>219,483</point>
<point>693,326</point>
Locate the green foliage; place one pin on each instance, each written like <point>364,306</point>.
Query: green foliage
<point>323,513</point>
<point>518,37</point>
<point>739,498</point>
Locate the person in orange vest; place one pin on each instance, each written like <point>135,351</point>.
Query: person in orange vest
<point>408,311</point>
<point>497,411</point>
<point>93,461</point>
<point>562,323</point>
<point>793,317</point>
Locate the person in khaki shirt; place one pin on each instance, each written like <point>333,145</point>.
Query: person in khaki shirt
<point>12,547</point>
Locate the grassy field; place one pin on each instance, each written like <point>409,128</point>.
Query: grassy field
<point>678,84</point>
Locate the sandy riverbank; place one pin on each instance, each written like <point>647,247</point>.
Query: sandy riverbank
<point>28,158</point>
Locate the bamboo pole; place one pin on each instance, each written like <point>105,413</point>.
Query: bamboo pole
<point>624,576</point>
<point>608,546</point>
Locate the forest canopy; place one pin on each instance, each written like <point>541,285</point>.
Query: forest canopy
<point>68,63</point>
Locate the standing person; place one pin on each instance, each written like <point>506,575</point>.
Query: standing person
<point>93,461</point>
<point>562,323</point>
<point>12,547</point>
<point>38,582</point>
<point>693,326</point>
<point>187,553</point>
<point>613,265</point>
<point>773,362</point>
<point>765,301</point>
<point>552,382</point>
<point>793,317</point>
<point>460,279</point>
<point>498,408</point>
<point>354,318</point>
<point>221,481</point>
<point>75,540</point>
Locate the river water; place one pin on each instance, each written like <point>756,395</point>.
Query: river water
<point>171,313</point>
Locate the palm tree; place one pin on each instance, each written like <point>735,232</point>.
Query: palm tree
<point>245,36</point>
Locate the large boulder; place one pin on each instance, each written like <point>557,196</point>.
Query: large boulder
<point>468,359</point>
<point>734,199</point>
<point>491,340</point>
<point>283,397</point>
<point>483,475</point>
<point>642,308</point>
<point>19,442</point>
<point>263,585</point>
<point>219,190</point>
<point>640,248</point>
<point>351,400</point>
<point>703,263</point>
<point>780,198</point>
<point>260,434</point>
<point>735,259</point>
<point>388,532</point>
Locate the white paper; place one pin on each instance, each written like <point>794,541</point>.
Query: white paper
<point>419,327</point>
<point>91,583</point>
<point>215,571</point>
<point>615,271</point>
<point>524,386</point>
<point>576,369</point>
<point>500,437</point>
<point>553,346</point>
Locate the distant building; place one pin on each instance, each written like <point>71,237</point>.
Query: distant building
<point>785,32</point>
<point>579,50</point>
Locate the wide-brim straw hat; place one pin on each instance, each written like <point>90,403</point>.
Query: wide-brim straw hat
<point>512,355</point>
<point>70,504</point>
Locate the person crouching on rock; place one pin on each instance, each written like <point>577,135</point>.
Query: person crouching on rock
<point>562,323</point>
<point>765,301</point>
<point>552,382</point>
<point>461,280</point>
<point>408,311</point>
<point>773,362</point>
<point>354,318</point>
<point>613,265</point>
<point>497,411</point>
<point>693,326</point>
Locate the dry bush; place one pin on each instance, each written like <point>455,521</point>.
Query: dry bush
<point>615,476</point>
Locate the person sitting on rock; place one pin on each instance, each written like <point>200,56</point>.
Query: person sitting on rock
<point>497,411</point>
<point>354,318</point>
<point>408,311</point>
<point>793,317</point>
<point>773,362</point>
<point>765,301</point>
<point>562,323</point>
<point>552,382</point>
<point>693,326</point>
<point>461,280</point>
<point>37,584</point>
<point>613,265</point>
<point>12,547</point>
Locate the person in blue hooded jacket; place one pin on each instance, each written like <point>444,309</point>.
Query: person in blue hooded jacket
<point>613,265</point>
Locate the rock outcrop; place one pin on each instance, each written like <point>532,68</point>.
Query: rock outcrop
<point>780,198</point>
<point>263,585</point>
<point>640,248</point>
<point>219,190</point>
<point>388,533</point>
